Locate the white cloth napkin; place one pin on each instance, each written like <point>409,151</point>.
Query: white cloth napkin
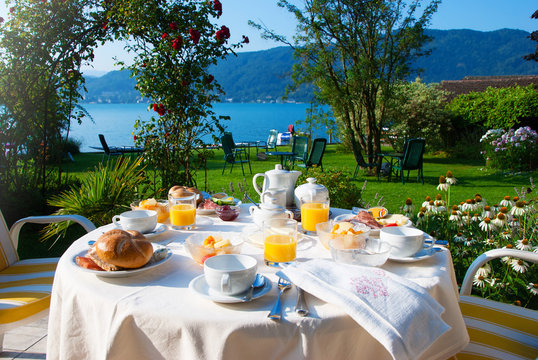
<point>397,312</point>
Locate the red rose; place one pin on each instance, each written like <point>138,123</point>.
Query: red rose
<point>155,107</point>
<point>161,110</point>
<point>209,79</point>
<point>217,6</point>
<point>166,134</point>
<point>195,35</point>
<point>223,33</point>
<point>245,39</point>
<point>105,25</point>
<point>144,65</point>
<point>134,137</point>
<point>164,36</point>
<point>173,26</point>
<point>177,42</point>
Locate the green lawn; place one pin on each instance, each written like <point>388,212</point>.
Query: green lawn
<point>473,177</point>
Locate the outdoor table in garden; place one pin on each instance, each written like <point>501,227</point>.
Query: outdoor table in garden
<point>283,155</point>
<point>154,314</point>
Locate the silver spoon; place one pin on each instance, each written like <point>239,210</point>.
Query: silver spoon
<point>252,201</point>
<point>259,281</point>
<point>301,308</point>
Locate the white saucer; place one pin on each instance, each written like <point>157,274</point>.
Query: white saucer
<point>425,253</point>
<point>159,229</point>
<point>199,286</point>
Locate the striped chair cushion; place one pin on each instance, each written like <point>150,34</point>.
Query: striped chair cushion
<point>25,289</point>
<point>498,331</point>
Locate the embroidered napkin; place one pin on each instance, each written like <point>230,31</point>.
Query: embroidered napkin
<point>400,314</point>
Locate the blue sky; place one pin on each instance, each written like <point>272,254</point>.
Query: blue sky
<point>482,15</point>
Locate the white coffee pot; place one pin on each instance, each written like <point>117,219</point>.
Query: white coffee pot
<point>311,191</point>
<point>268,211</point>
<point>278,178</point>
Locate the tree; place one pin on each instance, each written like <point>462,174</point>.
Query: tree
<point>534,37</point>
<point>175,42</point>
<point>354,51</point>
<point>418,110</point>
<point>44,44</point>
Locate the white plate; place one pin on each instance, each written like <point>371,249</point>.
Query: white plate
<point>425,253</point>
<point>199,286</point>
<point>124,273</point>
<point>159,229</point>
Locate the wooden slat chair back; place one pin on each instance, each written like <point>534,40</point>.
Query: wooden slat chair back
<point>497,330</point>
<point>26,285</point>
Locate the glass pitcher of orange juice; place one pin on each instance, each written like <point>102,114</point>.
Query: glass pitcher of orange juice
<point>182,207</point>
<point>280,241</point>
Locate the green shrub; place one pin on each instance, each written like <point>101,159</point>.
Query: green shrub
<point>343,192</point>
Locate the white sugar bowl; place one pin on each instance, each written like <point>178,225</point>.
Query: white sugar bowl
<point>312,191</point>
<point>268,211</point>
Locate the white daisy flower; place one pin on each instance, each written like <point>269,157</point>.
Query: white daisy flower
<point>524,244</point>
<point>484,270</point>
<point>533,288</point>
<point>455,217</point>
<point>479,280</point>
<point>426,202</point>
<point>459,237</point>
<point>506,235</point>
<point>519,265</point>
<point>443,187</point>
<point>450,179</point>
<point>486,225</point>
<point>495,208</point>
<point>507,201</point>
<point>469,241</point>
<point>488,213</point>
<point>519,209</point>
<point>489,242</point>
<point>467,206</point>
<point>475,218</point>
<point>500,220</point>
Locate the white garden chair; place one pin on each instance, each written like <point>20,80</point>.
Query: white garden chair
<point>497,330</point>
<point>26,285</point>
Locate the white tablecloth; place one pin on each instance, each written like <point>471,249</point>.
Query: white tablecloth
<point>154,315</point>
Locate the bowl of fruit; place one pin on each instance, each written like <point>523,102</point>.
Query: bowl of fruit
<point>351,235</point>
<point>202,246</point>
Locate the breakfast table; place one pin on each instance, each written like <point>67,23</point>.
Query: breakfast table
<point>154,314</point>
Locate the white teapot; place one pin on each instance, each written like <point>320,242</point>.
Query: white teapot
<point>268,211</point>
<point>312,191</point>
<point>278,178</point>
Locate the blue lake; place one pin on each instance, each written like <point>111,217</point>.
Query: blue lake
<point>248,121</point>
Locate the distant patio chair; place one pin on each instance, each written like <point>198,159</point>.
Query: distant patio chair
<point>233,154</point>
<point>271,141</point>
<point>364,164</point>
<point>316,154</point>
<point>114,150</point>
<point>410,160</point>
<point>299,148</point>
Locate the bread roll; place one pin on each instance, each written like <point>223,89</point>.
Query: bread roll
<point>179,191</point>
<point>124,249</point>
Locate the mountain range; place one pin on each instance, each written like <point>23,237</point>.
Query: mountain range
<point>262,76</point>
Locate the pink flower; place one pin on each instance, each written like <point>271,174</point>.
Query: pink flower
<point>195,35</point>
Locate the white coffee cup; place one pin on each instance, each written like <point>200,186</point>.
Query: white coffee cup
<point>230,274</point>
<point>140,220</point>
<point>274,196</point>
<point>405,241</point>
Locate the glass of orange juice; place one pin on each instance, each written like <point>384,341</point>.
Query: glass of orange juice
<point>314,210</point>
<point>182,209</point>
<point>280,241</point>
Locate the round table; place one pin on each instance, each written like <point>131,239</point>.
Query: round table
<point>154,315</point>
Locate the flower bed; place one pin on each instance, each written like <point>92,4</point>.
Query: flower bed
<point>474,226</point>
<point>515,150</point>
